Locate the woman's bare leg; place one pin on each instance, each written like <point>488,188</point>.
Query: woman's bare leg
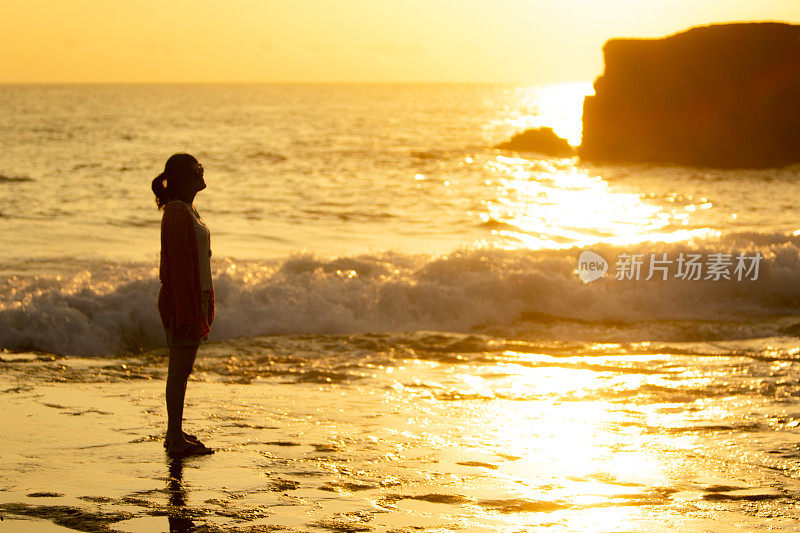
<point>181,361</point>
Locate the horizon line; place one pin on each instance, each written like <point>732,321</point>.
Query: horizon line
<point>398,82</point>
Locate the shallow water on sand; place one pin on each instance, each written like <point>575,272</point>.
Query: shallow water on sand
<point>422,432</point>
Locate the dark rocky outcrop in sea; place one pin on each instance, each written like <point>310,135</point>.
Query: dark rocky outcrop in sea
<point>725,96</point>
<point>540,140</point>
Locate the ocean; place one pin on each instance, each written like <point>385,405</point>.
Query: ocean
<point>406,335</point>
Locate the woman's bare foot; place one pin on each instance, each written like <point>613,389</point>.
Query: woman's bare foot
<point>186,436</point>
<point>187,448</point>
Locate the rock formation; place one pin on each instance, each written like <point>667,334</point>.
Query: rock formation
<point>725,96</point>
<point>541,140</point>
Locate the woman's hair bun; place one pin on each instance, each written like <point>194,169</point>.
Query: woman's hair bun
<point>162,195</point>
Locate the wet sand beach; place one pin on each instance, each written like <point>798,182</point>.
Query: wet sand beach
<point>427,432</point>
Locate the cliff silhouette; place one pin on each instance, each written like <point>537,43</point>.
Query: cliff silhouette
<point>726,96</point>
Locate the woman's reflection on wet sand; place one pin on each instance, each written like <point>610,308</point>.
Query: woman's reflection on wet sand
<point>179,521</point>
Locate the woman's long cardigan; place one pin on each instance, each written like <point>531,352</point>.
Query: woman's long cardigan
<point>180,296</point>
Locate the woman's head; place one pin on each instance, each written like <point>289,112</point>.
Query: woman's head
<point>181,180</point>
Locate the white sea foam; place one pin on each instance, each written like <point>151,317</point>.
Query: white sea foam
<point>515,293</point>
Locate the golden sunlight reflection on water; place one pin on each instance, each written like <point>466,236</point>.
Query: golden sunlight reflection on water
<point>557,204</point>
<point>571,457</point>
<point>612,440</point>
<point>558,106</point>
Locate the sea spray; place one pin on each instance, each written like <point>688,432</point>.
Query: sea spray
<point>513,293</point>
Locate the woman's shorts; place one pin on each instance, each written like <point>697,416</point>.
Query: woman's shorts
<point>173,341</point>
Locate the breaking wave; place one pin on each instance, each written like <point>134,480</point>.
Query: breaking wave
<point>521,294</point>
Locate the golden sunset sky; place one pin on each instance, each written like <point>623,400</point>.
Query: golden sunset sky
<point>515,41</point>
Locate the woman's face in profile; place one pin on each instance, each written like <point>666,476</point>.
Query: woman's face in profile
<point>198,177</point>
<point>191,182</point>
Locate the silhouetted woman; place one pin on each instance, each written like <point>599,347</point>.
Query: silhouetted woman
<point>186,298</point>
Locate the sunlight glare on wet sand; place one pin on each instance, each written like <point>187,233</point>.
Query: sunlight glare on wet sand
<point>575,460</point>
